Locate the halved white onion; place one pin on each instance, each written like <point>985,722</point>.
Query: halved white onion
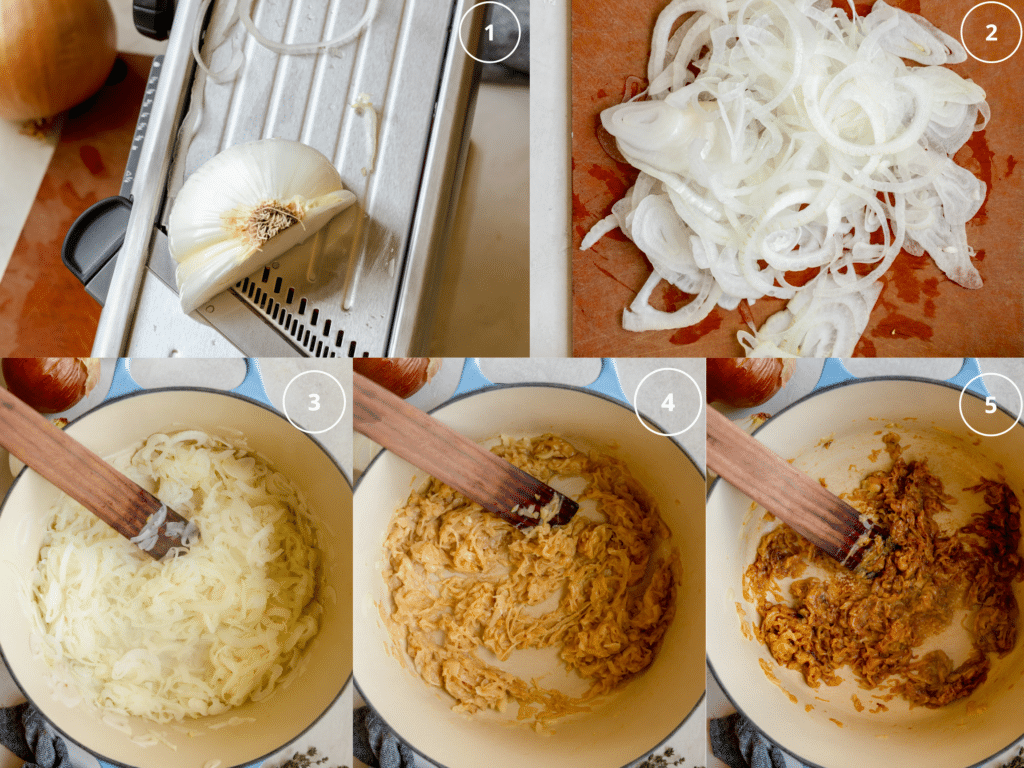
<point>244,208</point>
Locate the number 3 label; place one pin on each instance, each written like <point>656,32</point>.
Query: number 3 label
<point>317,404</point>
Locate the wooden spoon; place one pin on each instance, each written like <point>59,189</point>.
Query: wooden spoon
<point>81,474</point>
<point>472,470</point>
<point>801,502</point>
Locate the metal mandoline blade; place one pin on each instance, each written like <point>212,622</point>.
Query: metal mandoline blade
<point>364,284</point>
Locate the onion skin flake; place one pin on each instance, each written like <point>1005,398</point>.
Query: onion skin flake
<point>779,139</point>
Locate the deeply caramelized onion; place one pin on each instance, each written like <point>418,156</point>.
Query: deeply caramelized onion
<point>405,376</point>
<point>51,384</point>
<point>931,576</point>
<point>746,382</point>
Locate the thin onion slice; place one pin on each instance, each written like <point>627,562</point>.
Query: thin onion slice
<point>242,11</point>
<point>245,16</point>
<point>363,106</point>
<point>214,37</point>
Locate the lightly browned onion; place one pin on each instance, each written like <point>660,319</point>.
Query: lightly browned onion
<point>746,382</point>
<point>54,54</point>
<point>51,384</point>
<point>405,376</point>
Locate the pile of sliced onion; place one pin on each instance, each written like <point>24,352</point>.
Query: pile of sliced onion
<point>778,136</point>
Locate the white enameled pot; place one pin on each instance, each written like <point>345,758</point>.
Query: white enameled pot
<point>248,733</point>
<point>636,719</point>
<point>824,726</point>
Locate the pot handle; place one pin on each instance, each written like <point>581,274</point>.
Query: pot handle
<point>251,387</point>
<point>472,378</point>
<point>834,372</point>
<point>606,383</point>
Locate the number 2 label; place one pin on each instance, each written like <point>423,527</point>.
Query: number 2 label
<point>992,34</point>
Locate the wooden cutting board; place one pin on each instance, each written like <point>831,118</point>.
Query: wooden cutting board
<point>920,312</point>
<point>44,309</point>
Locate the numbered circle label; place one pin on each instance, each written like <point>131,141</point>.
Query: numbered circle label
<point>991,32</point>
<point>314,402</point>
<point>987,421</point>
<point>502,31</point>
<point>671,398</point>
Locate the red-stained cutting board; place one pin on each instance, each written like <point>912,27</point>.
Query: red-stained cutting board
<point>920,312</point>
<point>44,309</point>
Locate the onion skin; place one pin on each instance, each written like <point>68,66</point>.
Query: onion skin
<point>51,384</point>
<point>404,376</point>
<point>54,54</point>
<point>746,382</point>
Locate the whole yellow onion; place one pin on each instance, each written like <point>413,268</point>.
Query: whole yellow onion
<point>54,54</point>
<point>746,382</point>
<point>405,376</point>
<point>50,384</point>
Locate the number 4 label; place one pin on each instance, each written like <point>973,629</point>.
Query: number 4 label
<point>669,404</point>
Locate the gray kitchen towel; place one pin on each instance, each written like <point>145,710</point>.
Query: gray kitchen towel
<point>24,731</point>
<point>376,745</point>
<point>736,742</point>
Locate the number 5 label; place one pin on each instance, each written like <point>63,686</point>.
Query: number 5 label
<point>999,416</point>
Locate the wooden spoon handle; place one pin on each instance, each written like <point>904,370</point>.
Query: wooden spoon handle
<point>454,459</point>
<point>804,504</point>
<point>81,474</point>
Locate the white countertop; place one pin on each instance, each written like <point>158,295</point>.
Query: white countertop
<point>550,151</point>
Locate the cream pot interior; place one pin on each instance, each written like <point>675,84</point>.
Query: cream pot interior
<point>635,719</point>
<point>260,728</point>
<point>823,726</point>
